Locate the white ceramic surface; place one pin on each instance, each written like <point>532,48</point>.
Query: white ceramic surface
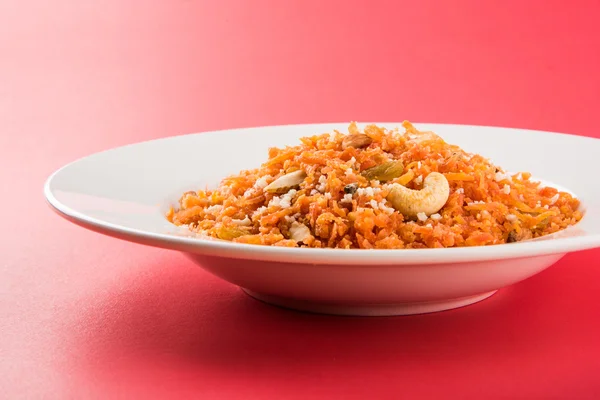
<point>125,192</point>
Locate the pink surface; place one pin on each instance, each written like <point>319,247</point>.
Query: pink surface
<point>86,316</point>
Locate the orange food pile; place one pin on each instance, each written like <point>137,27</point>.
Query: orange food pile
<point>339,205</point>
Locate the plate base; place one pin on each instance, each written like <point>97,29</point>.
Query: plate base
<point>370,310</point>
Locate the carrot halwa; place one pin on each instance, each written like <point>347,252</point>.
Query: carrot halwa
<point>380,189</point>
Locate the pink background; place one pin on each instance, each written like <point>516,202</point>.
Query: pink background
<point>86,316</point>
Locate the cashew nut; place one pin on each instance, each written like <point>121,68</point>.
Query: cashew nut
<point>428,200</point>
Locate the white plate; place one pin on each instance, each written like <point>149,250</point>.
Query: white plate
<point>125,192</point>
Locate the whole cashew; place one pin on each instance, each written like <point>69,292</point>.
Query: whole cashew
<point>428,200</point>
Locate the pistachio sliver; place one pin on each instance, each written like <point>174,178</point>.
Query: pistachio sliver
<point>286,182</point>
<point>384,172</point>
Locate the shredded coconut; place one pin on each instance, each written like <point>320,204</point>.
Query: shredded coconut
<point>554,199</point>
<point>422,217</point>
<point>511,218</point>
<point>500,176</point>
<point>242,222</point>
<point>386,209</point>
<point>261,182</point>
<point>214,209</point>
<point>347,198</point>
<point>259,211</point>
<point>285,204</point>
<point>368,191</point>
<point>275,202</point>
<point>436,217</point>
<point>419,179</point>
<point>460,190</point>
<point>476,202</point>
<point>286,199</point>
<point>374,204</point>
<point>349,172</point>
<point>506,189</point>
<point>322,183</point>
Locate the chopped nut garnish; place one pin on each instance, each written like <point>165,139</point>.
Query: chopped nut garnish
<point>357,141</point>
<point>286,182</point>
<point>384,172</point>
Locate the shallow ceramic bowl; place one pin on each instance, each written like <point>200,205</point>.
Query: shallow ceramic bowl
<point>125,192</point>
